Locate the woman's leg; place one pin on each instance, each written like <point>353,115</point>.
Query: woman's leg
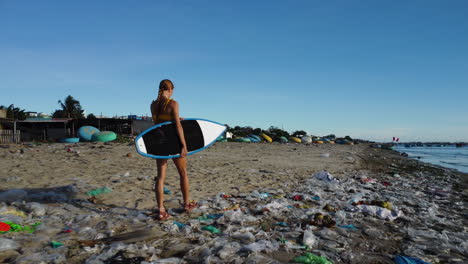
<point>181,165</point>
<point>159,185</point>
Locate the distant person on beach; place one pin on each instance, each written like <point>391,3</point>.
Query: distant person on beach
<point>166,109</point>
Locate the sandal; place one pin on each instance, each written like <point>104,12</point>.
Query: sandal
<point>162,216</point>
<point>190,206</point>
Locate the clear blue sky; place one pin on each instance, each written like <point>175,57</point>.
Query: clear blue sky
<point>369,69</point>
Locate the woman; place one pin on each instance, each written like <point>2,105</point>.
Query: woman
<point>162,110</point>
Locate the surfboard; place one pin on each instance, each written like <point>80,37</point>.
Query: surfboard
<point>162,142</point>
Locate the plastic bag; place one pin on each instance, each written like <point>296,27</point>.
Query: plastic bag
<point>309,239</point>
<point>36,209</point>
<point>262,245</point>
<point>380,212</point>
<point>8,244</point>
<point>325,176</point>
<point>244,237</point>
<point>228,250</point>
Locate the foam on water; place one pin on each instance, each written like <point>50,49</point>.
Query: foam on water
<point>446,156</point>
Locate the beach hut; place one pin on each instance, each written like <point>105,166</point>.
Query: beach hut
<point>45,128</point>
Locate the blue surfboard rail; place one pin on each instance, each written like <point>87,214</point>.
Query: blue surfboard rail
<point>178,155</point>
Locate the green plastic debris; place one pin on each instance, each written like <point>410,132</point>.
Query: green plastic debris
<point>203,218</point>
<point>212,229</point>
<point>98,191</point>
<point>19,228</point>
<point>310,258</point>
<point>55,244</point>
<point>209,217</point>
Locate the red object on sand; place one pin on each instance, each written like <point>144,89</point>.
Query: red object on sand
<point>4,227</point>
<point>386,183</point>
<point>297,198</point>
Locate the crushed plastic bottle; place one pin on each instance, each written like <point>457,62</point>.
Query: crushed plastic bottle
<point>55,244</point>
<point>212,229</point>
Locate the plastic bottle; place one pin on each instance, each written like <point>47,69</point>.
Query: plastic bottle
<point>98,191</point>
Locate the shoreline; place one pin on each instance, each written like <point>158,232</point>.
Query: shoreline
<point>422,159</point>
<point>428,196</point>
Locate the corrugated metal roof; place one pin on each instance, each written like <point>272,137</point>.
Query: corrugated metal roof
<point>46,120</point>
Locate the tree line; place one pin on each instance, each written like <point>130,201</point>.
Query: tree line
<point>69,108</point>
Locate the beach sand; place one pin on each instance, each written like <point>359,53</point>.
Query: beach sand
<point>237,169</point>
<point>225,167</point>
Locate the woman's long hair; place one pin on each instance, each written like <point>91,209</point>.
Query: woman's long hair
<point>164,85</point>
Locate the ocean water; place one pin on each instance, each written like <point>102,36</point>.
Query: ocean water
<point>446,156</point>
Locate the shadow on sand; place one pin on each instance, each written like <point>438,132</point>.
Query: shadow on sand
<point>59,195</point>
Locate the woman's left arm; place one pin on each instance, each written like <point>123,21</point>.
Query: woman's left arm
<point>179,129</point>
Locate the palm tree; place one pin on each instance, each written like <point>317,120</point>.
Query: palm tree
<point>71,108</point>
<point>13,112</point>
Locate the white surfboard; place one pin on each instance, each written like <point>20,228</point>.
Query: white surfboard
<point>162,142</point>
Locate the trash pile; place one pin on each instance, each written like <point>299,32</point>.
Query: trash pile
<point>355,219</point>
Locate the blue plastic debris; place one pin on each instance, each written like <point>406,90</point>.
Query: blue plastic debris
<point>179,224</point>
<point>409,260</point>
<point>214,216</point>
<point>349,227</point>
<point>167,191</point>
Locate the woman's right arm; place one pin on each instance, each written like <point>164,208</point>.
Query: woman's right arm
<point>153,113</point>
